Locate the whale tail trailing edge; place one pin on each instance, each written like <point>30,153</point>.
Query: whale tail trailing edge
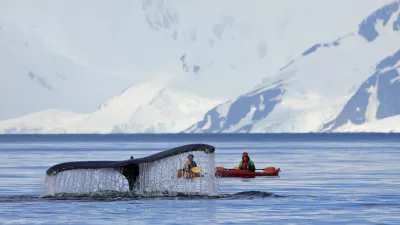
<point>128,168</point>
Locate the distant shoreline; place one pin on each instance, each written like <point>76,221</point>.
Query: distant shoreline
<point>205,137</point>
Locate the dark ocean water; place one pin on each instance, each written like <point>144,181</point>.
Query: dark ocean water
<point>325,179</point>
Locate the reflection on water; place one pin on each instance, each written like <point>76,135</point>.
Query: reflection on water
<point>321,182</point>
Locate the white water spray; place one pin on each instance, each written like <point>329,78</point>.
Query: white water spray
<point>156,178</point>
<point>84,181</point>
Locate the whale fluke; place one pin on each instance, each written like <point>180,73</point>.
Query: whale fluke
<point>128,168</point>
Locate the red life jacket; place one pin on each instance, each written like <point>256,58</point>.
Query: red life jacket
<point>244,164</point>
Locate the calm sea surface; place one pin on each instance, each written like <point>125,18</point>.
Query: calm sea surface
<point>325,179</point>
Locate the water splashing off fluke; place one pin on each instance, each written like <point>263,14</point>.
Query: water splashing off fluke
<point>152,174</point>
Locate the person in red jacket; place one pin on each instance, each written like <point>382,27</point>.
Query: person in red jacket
<point>247,163</point>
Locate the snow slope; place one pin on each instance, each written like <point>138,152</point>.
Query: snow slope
<point>168,112</point>
<point>73,55</point>
<point>312,90</point>
<point>147,107</point>
<point>389,124</point>
<point>49,121</point>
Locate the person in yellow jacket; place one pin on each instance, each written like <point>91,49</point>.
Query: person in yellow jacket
<point>189,164</point>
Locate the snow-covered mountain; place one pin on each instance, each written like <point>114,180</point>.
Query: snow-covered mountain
<point>147,107</point>
<point>314,60</point>
<point>74,55</point>
<point>351,80</point>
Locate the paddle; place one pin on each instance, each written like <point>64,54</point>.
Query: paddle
<point>266,169</point>
<point>194,170</point>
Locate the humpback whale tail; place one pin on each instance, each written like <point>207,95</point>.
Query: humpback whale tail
<point>130,168</point>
